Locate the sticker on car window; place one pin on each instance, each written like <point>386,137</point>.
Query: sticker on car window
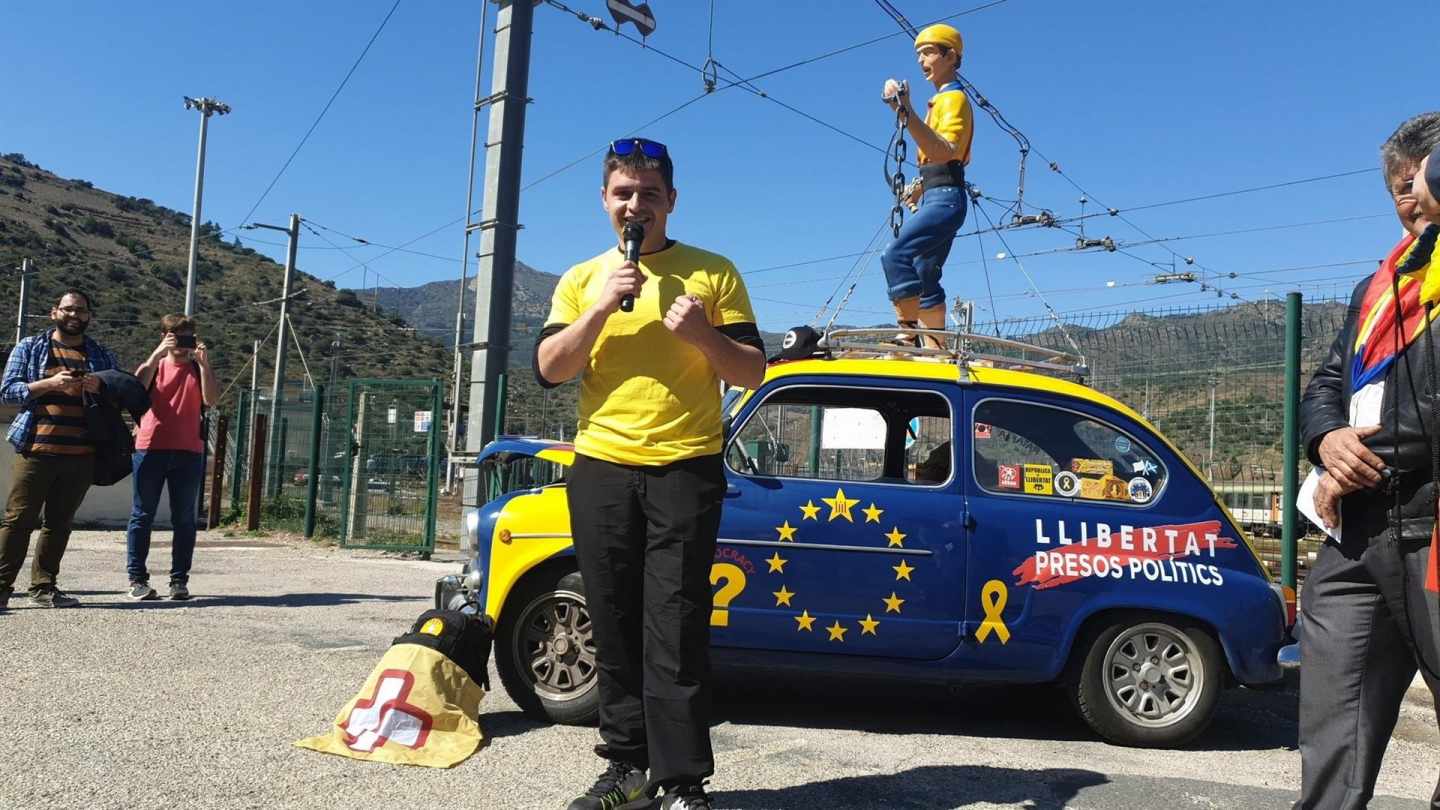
<point>1141,490</point>
<point>982,430</point>
<point>1092,466</point>
<point>1122,444</point>
<point>1007,476</point>
<point>1144,467</point>
<point>1067,483</point>
<point>1037,479</point>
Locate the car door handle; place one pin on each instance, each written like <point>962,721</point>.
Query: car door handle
<point>732,491</point>
<point>968,521</point>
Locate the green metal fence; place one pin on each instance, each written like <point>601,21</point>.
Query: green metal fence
<point>358,463</point>
<point>390,483</point>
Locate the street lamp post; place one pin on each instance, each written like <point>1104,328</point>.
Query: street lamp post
<point>206,107</point>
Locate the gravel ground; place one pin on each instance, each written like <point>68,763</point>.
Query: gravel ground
<point>160,704</point>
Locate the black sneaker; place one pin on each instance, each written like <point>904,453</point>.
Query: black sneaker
<point>179,591</point>
<point>53,598</point>
<point>686,797</point>
<point>5,600</point>
<point>142,592</point>
<point>620,784</point>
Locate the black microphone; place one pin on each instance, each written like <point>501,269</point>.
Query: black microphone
<point>634,234</point>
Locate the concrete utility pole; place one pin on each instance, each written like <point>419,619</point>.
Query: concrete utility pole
<point>495,273</point>
<point>453,443</point>
<point>207,107</point>
<point>282,338</point>
<point>25,275</point>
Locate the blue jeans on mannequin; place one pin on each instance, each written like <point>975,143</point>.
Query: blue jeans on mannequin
<point>182,473</point>
<point>914,260</point>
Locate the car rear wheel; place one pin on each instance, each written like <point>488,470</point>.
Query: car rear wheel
<point>545,653</point>
<point>1149,683</point>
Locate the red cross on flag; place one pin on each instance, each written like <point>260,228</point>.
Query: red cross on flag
<point>417,708</point>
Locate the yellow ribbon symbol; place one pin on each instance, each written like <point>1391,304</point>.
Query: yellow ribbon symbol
<point>992,598</point>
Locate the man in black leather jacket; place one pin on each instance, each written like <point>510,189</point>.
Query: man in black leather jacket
<point>1368,623</point>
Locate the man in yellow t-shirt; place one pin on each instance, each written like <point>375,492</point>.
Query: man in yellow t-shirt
<point>646,488</point>
<point>914,260</point>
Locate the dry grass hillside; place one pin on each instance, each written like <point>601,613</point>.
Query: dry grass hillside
<point>131,254</point>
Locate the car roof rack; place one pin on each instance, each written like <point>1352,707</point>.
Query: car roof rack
<point>964,349</point>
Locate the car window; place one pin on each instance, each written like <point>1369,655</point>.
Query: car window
<point>1022,448</point>
<point>846,434</point>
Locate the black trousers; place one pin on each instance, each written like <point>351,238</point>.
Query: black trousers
<point>1367,621</point>
<point>645,540</point>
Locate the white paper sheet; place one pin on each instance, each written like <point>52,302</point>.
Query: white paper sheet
<point>1364,412</point>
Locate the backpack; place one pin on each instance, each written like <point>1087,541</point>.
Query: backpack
<point>463,638</point>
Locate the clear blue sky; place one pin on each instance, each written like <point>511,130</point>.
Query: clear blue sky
<point>1139,103</point>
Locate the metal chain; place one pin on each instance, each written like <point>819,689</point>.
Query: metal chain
<point>897,180</point>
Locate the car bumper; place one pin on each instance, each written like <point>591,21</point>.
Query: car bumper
<point>459,591</point>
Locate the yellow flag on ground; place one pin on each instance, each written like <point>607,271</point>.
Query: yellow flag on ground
<point>417,708</point>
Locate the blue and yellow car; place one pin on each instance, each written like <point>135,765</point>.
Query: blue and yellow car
<point>940,522</point>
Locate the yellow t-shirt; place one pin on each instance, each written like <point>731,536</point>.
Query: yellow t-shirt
<point>646,396</point>
<point>952,118</point>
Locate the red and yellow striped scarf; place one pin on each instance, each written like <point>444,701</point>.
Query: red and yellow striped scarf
<point>1375,337</point>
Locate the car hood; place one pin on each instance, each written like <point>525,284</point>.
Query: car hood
<point>505,448</point>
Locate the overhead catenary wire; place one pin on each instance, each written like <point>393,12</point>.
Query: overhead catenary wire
<point>979,207</point>
<point>351,72</point>
<point>857,270</point>
<point>294,336</point>
<point>572,164</point>
<point>247,363</point>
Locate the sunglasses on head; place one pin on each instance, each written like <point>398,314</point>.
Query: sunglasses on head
<point>627,146</point>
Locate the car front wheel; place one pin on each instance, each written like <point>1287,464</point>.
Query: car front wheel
<point>1149,683</point>
<point>545,653</point>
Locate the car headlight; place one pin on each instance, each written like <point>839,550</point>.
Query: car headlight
<point>473,579</point>
<point>471,541</point>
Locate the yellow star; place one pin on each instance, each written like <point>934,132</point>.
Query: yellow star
<point>893,603</point>
<point>782,596</point>
<point>840,505</point>
<point>777,564</point>
<point>873,513</point>
<point>896,537</point>
<point>810,510</point>
<point>902,571</point>
<point>787,532</point>
<point>837,631</point>
<point>804,620</point>
<point>868,625</point>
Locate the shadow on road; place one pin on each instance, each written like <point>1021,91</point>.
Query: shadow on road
<point>283,600</point>
<point>498,725</point>
<point>1246,720</point>
<point>927,787</point>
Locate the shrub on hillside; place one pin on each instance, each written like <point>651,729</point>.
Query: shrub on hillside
<point>58,227</point>
<point>135,246</point>
<point>96,227</point>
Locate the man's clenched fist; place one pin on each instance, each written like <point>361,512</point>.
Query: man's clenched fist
<point>687,318</point>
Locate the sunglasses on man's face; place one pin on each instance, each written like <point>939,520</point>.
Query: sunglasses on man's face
<point>627,146</point>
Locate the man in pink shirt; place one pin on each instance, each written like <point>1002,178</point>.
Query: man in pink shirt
<point>169,452</point>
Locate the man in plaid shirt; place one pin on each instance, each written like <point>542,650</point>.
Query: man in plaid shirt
<point>48,375</point>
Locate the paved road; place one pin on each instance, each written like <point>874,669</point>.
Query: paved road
<point>160,704</point>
